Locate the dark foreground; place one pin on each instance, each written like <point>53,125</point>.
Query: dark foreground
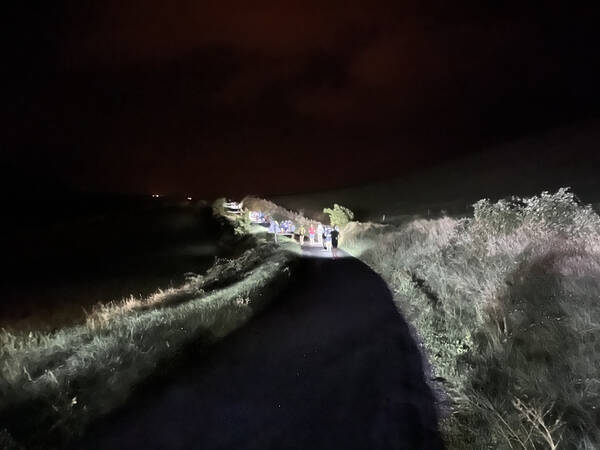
<point>329,365</point>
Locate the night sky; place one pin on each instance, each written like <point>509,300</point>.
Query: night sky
<point>270,97</point>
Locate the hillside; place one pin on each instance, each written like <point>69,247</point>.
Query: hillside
<point>563,157</point>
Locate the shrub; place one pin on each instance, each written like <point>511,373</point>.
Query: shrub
<point>339,215</point>
<point>242,224</point>
<point>506,305</point>
<point>218,207</point>
<point>275,211</point>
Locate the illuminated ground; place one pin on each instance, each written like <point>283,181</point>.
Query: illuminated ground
<point>317,251</point>
<point>330,364</point>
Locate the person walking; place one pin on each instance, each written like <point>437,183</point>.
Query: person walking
<point>335,233</point>
<point>302,232</point>
<point>328,240</point>
<point>311,233</point>
<point>274,228</point>
<point>320,233</point>
<point>324,238</point>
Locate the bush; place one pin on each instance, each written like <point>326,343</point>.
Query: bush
<point>242,224</point>
<point>506,305</point>
<point>339,215</point>
<point>275,211</point>
<point>218,207</point>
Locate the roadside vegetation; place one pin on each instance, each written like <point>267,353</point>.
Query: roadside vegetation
<point>336,216</point>
<point>54,383</point>
<point>339,215</point>
<point>275,211</point>
<point>507,307</point>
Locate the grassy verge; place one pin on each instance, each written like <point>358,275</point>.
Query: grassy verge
<point>53,384</point>
<point>507,305</point>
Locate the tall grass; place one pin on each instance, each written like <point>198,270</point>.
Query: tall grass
<point>52,384</point>
<point>507,305</point>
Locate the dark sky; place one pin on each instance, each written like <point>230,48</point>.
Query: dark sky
<point>268,97</point>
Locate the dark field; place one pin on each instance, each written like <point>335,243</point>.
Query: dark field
<point>71,252</point>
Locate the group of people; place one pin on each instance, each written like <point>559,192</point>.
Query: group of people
<point>257,217</point>
<point>322,235</point>
<point>287,227</point>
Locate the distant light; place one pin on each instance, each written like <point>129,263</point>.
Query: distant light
<point>155,195</point>
<point>189,198</point>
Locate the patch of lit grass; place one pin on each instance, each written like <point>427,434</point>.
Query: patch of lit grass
<point>52,384</point>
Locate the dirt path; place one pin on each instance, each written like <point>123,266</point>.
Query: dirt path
<point>330,364</point>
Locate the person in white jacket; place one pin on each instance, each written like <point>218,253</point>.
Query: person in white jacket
<point>320,234</point>
<point>274,228</point>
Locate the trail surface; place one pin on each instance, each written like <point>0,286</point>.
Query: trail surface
<point>329,365</point>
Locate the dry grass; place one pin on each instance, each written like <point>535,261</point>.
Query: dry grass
<point>507,304</point>
<point>52,384</point>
